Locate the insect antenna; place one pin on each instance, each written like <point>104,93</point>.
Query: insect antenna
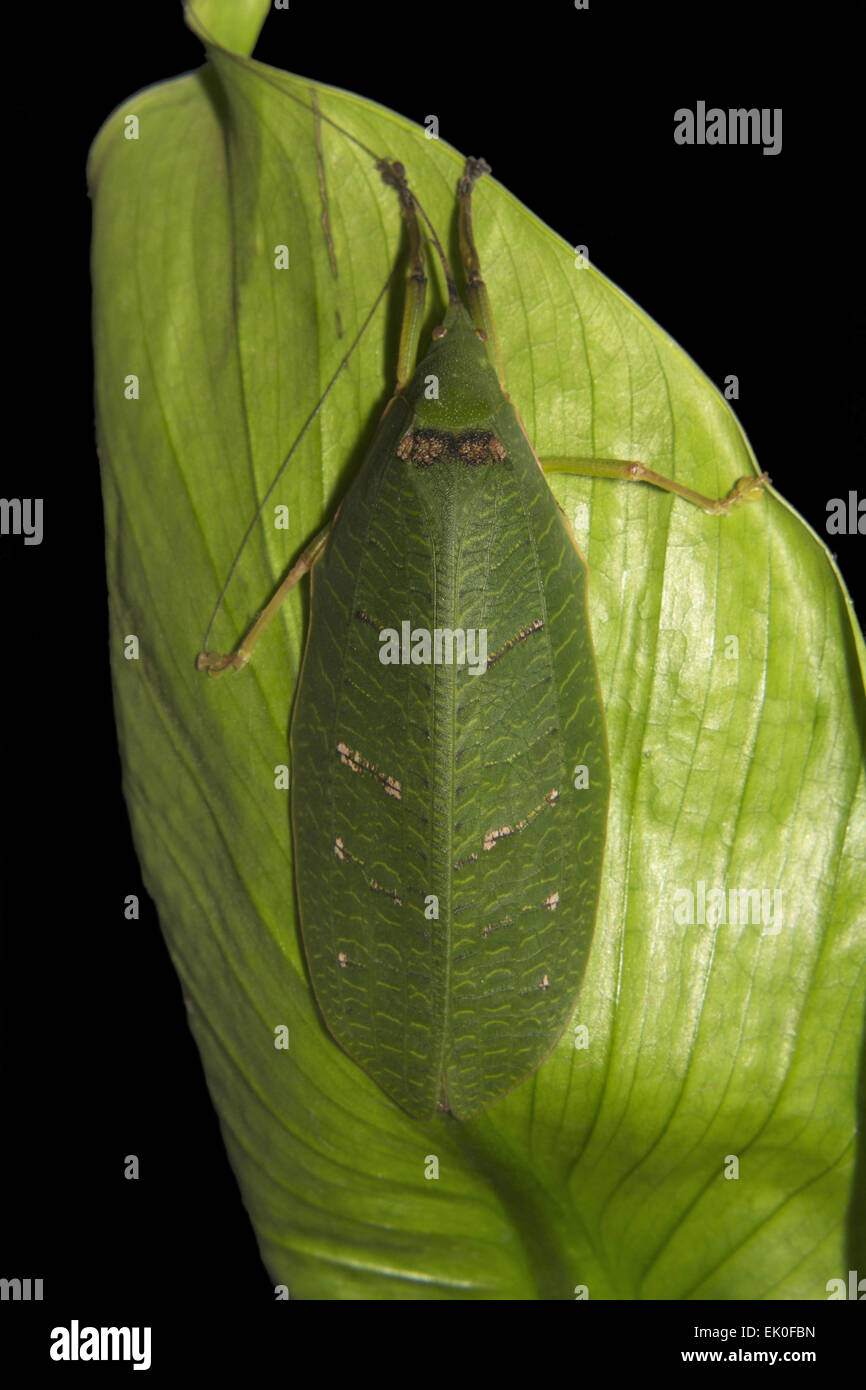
<point>285,463</point>
<point>394,175</point>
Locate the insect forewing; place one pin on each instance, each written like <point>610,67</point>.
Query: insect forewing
<point>449,815</point>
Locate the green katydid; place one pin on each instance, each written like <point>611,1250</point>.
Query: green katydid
<point>449,758</point>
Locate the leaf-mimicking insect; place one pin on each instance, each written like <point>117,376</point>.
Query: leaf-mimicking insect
<point>448,750</point>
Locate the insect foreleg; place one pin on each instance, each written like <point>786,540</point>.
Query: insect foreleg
<point>215,663</point>
<point>394,175</point>
<point>477,299</point>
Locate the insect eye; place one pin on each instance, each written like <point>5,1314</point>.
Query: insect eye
<point>439,331</point>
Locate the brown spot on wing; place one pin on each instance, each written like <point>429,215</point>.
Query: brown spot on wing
<point>364,617</point>
<point>504,831</point>
<point>389,892</point>
<point>536,625</point>
<point>356,763</point>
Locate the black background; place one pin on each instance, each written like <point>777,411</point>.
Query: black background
<point>749,261</point>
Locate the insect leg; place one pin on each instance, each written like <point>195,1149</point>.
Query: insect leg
<point>394,175</point>
<point>215,662</point>
<point>477,299</point>
<point>628,470</point>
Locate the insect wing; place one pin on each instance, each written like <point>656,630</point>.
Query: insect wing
<point>449,815</point>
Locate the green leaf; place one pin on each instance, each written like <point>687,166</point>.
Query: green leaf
<point>607,1169</point>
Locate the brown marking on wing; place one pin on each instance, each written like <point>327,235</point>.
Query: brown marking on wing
<point>461,863</point>
<point>549,904</point>
<point>389,892</point>
<point>504,831</point>
<point>494,926</point>
<point>535,626</point>
<point>356,763</point>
